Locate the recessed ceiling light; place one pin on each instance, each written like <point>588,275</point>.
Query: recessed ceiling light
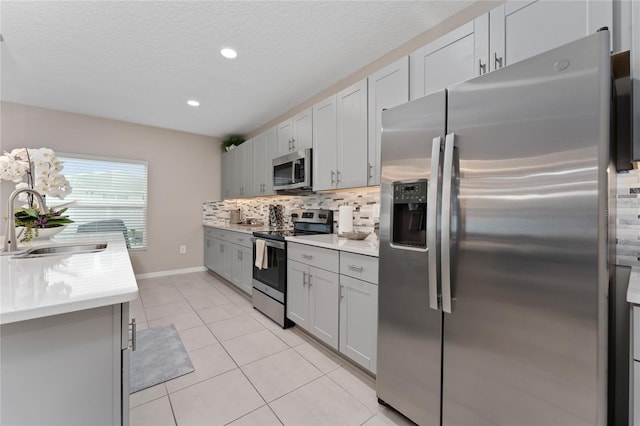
<point>228,53</point>
<point>193,103</point>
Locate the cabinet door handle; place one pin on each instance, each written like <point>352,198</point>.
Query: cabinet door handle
<point>356,268</point>
<point>133,334</point>
<point>497,60</point>
<point>482,68</point>
<point>341,292</point>
<point>338,173</point>
<point>333,176</point>
<point>307,256</point>
<point>241,255</point>
<point>293,144</point>
<point>304,279</point>
<point>370,171</point>
<point>310,279</point>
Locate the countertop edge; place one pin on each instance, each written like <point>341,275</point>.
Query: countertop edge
<point>633,291</point>
<point>356,250</point>
<point>47,311</point>
<point>244,229</point>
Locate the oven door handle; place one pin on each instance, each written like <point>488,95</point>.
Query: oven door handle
<point>273,244</point>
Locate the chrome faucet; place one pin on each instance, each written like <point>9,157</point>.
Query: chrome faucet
<point>10,243</point>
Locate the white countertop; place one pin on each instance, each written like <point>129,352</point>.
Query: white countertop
<point>633,291</point>
<point>368,247</point>
<point>52,285</point>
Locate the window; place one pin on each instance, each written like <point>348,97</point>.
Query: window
<point>108,194</point>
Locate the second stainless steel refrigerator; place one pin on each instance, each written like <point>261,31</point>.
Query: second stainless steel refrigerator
<point>493,246</point>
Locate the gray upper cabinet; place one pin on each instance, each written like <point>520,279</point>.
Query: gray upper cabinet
<point>340,139</point>
<point>352,136</point>
<point>455,57</point>
<point>513,31</point>
<point>522,29</point>
<point>295,133</point>
<point>265,149</point>
<point>387,88</point>
<point>325,141</point>
<point>229,167</point>
<point>243,171</point>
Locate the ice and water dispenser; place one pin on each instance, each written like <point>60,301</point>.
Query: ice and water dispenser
<point>410,214</point>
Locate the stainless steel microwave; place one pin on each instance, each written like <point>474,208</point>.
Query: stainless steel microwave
<point>292,171</point>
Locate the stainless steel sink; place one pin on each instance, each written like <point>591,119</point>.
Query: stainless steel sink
<point>63,249</point>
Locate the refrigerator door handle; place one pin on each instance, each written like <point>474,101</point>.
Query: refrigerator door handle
<point>432,225</point>
<point>445,265</point>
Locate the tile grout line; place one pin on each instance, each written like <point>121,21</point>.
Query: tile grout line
<point>264,327</point>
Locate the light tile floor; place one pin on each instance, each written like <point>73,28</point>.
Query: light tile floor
<point>248,370</point>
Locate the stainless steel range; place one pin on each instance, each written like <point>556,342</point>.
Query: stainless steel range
<point>270,280</point>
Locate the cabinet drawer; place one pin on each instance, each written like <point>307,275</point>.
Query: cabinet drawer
<point>318,257</point>
<point>218,233</point>
<point>241,239</point>
<point>358,266</point>
<point>210,232</point>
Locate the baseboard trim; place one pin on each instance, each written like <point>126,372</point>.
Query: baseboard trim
<point>171,272</point>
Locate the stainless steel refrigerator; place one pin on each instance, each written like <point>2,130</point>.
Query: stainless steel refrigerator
<point>493,246</point>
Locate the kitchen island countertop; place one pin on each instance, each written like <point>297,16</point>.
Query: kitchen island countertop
<point>368,247</point>
<point>44,286</point>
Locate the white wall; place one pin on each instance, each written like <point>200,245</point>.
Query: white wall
<point>184,170</point>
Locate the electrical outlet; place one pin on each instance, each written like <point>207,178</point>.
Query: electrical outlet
<point>183,249</point>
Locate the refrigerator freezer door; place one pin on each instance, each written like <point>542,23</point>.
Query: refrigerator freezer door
<point>409,341</point>
<point>524,344</point>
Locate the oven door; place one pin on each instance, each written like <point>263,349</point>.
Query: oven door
<point>273,280</point>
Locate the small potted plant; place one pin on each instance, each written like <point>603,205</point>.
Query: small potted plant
<point>231,141</point>
<point>42,170</point>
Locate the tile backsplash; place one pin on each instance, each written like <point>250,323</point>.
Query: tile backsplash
<point>366,203</point>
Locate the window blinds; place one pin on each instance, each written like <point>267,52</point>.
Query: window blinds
<point>109,195</point>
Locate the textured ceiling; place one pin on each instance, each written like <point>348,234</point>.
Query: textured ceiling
<point>139,61</point>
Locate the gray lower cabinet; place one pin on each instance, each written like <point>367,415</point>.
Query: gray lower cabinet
<point>297,293</point>
<point>210,245</point>
<point>359,321</point>
<point>313,292</point>
<point>230,255</point>
<point>67,369</point>
<point>334,296</point>
<point>242,273</point>
<point>323,305</point>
